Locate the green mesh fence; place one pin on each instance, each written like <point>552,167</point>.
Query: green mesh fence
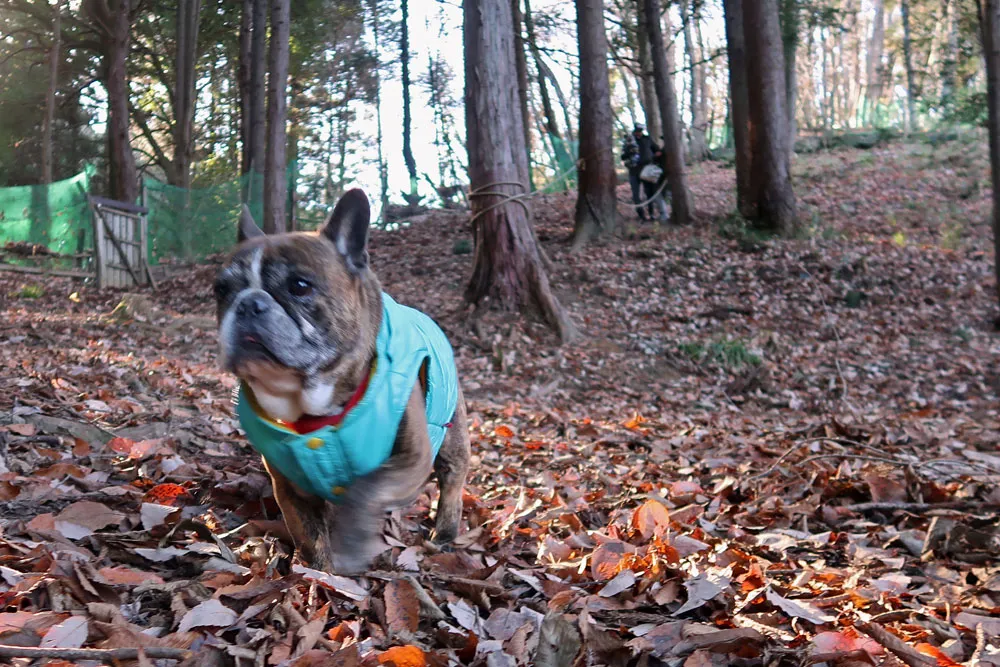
<point>198,222</point>
<point>55,215</point>
<point>185,223</point>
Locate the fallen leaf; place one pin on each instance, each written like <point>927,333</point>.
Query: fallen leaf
<point>343,585</point>
<point>651,518</point>
<point>210,613</point>
<point>402,609</point>
<point>403,656</point>
<point>22,429</point>
<point>71,633</point>
<point>799,608</point>
<point>622,582</point>
<point>704,587</point>
<point>155,515</point>
<point>84,518</point>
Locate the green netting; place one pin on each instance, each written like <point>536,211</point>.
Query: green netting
<point>55,215</point>
<point>202,221</point>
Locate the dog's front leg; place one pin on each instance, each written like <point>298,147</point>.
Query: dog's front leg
<point>396,483</point>
<point>309,520</point>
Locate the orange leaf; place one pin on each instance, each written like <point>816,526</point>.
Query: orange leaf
<point>943,660</point>
<point>403,656</point>
<point>165,494</point>
<point>120,445</point>
<point>652,518</point>
<point>504,431</point>
<point>634,423</point>
<point>126,576</point>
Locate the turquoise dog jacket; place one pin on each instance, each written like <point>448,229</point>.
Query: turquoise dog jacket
<point>325,461</point>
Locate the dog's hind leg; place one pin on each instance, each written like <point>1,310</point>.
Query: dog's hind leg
<point>452,469</point>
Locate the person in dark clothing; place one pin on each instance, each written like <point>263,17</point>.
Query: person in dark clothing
<point>639,150</point>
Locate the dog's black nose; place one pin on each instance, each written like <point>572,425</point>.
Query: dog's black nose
<point>253,304</point>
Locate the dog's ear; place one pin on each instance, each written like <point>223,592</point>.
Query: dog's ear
<point>347,228</point>
<point>248,228</point>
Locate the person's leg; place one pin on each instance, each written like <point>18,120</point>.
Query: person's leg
<point>637,190</point>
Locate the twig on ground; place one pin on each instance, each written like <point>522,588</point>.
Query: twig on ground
<point>105,655</point>
<point>841,657</point>
<point>923,507</point>
<point>897,646</point>
<point>429,606</point>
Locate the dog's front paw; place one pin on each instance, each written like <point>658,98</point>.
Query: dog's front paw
<point>356,557</point>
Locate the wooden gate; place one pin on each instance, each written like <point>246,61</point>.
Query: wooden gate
<point>121,249</point>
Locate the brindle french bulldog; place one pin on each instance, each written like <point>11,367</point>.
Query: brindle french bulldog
<point>351,398</point>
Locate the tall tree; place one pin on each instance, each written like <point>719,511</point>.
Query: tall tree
<point>275,172</point>
<point>508,267</point>
<point>383,170</point>
<point>673,150</point>
<point>243,81</point>
<point>404,58</point>
<point>522,81</point>
<point>771,183</point>
<point>185,57</point>
<point>113,21</point>
<point>560,153</point>
<point>739,112</point>
<point>595,202</point>
<point>790,45</point>
<point>258,91</point>
<point>989,21</point>
<point>874,71</point>
<point>698,149</point>
<point>50,96</point>
<point>949,62</point>
<point>911,82</point>
<point>647,88</point>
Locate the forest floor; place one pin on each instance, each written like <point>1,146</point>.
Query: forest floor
<point>759,452</point>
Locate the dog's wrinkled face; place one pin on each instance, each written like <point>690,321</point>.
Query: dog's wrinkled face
<point>292,309</point>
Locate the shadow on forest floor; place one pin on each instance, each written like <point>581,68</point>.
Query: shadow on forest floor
<point>757,446</point>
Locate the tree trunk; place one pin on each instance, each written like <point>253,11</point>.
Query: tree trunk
<point>243,77</point>
<point>123,177</point>
<point>629,96</point>
<point>874,71</point>
<point>771,184</point>
<point>522,83</point>
<point>184,90</point>
<point>989,19</point>
<point>673,150</point>
<point>949,63</point>
<point>50,94</point>
<point>697,147</point>
<point>383,171</point>
<point>911,102</point>
<point>738,102</point>
<point>258,96</point>
<point>508,269</point>
<point>404,57</point>
<point>790,45</point>
<point>647,89</point>
<point>560,152</point>
<point>595,202</point>
<point>276,167</point>
<point>708,123</point>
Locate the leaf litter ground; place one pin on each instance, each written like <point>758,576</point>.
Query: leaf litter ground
<point>761,452</point>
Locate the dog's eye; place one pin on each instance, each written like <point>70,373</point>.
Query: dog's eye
<point>300,287</point>
<point>221,289</point>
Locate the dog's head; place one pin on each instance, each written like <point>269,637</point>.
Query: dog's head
<point>298,313</point>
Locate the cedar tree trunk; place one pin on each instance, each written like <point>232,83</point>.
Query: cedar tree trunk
<point>739,112</point>
<point>673,151</point>
<point>508,269</point>
<point>771,184</point>
<point>595,202</point>
<point>275,172</point>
